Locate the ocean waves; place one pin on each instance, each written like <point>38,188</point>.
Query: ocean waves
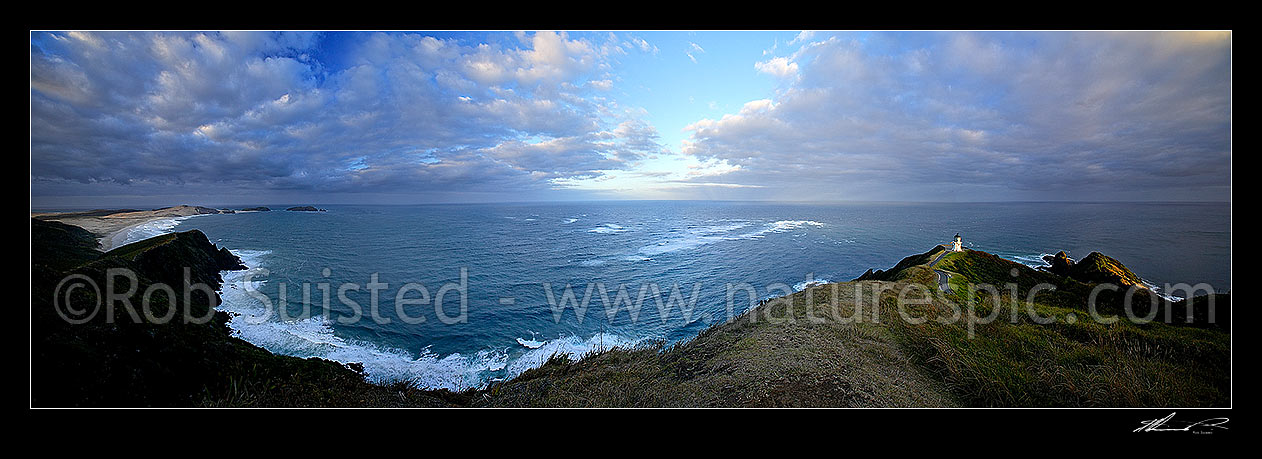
<point>1033,261</point>
<point>254,321</point>
<point>1037,261</point>
<point>699,235</point>
<point>572,346</point>
<point>144,231</point>
<point>631,244</point>
<point>607,228</point>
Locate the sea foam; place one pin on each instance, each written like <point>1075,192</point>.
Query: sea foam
<point>147,230</point>
<point>700,235</point>
<point>254,321</point>
<point>1037,261</point>
<point>607,228</point>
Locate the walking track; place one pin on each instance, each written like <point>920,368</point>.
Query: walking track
<point>943,276</point>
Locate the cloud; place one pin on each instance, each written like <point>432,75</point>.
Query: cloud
<point>987,116</point>
<point>644,45</point>
<point>272,111</point>
<point>780,67</point>
<point>603,85</point>
<point>693,48</point>
<point>803,36</point>
<point>917,116</point>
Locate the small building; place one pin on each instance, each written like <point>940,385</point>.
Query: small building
<point>957,245</point>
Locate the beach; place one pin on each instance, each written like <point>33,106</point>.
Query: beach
<point>112,227</point>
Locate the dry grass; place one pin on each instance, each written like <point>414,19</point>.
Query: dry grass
<point>808,349</point>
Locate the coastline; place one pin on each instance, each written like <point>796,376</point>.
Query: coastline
<point>115,239</point>
<point>735,363</point>
<point>110,233</point>
<point>112,227</point>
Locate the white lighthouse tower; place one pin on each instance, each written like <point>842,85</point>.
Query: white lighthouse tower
<point>958,244</point>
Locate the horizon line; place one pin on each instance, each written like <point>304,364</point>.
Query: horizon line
<point>768,201</point>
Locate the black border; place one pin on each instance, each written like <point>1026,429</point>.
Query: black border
<point>588,16</point>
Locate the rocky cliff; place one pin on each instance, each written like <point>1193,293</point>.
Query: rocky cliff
<point>86,351</point>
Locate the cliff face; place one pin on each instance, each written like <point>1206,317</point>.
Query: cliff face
<point>804,349</point>
<point>87,352</point>
<point>164,258</point>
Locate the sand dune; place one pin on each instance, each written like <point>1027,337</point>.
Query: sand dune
<point>107,224</point>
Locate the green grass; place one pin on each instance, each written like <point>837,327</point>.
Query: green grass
<point>841,344</point>
<point>1022,362</point>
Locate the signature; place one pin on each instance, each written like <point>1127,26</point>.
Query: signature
<point>1166,425</point>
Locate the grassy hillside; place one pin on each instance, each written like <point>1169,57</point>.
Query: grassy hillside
<point>1059,355</point>
<point>801,350</point>
<point>912,268</point>
<point>809,350</point>
<point>57,246</point>
<point>890,338</point>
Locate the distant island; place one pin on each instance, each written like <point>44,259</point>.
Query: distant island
<point>305,209</point>
<point>796,350</point>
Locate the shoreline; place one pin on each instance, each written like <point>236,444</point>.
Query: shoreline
<point>734,363</point>
<point>110,228</point>
<point>115,239</point>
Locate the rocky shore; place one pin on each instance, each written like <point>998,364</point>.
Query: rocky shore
<point>177,351</point>
<point>837,344</point>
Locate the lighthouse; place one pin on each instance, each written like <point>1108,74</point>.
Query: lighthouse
<point>958,244</point>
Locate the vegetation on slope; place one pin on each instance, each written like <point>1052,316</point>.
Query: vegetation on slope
<point>56,246</point>
<point>938,349</point>
<point>1099,268</point>
<point>1047,350</point>
<point>914,267</point>
<point>819,347</point>
<point>890,338</point>
<point>131,357</point>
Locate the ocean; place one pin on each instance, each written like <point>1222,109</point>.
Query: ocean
<point>501,270</point>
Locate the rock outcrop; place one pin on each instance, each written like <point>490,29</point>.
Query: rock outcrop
<point>1098,268</point>
<point>164,258</point>
<point>172,350</point>
<point>1060,263</point>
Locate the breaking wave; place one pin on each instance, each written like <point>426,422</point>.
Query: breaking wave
<point>253,321</point>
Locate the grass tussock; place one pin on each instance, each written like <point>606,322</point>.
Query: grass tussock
<point>1025,359</point>
<point>840,344</point>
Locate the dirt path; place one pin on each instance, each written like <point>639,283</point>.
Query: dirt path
<point>943,277</point>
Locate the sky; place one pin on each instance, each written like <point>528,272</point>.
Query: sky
<point>233,118</point>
